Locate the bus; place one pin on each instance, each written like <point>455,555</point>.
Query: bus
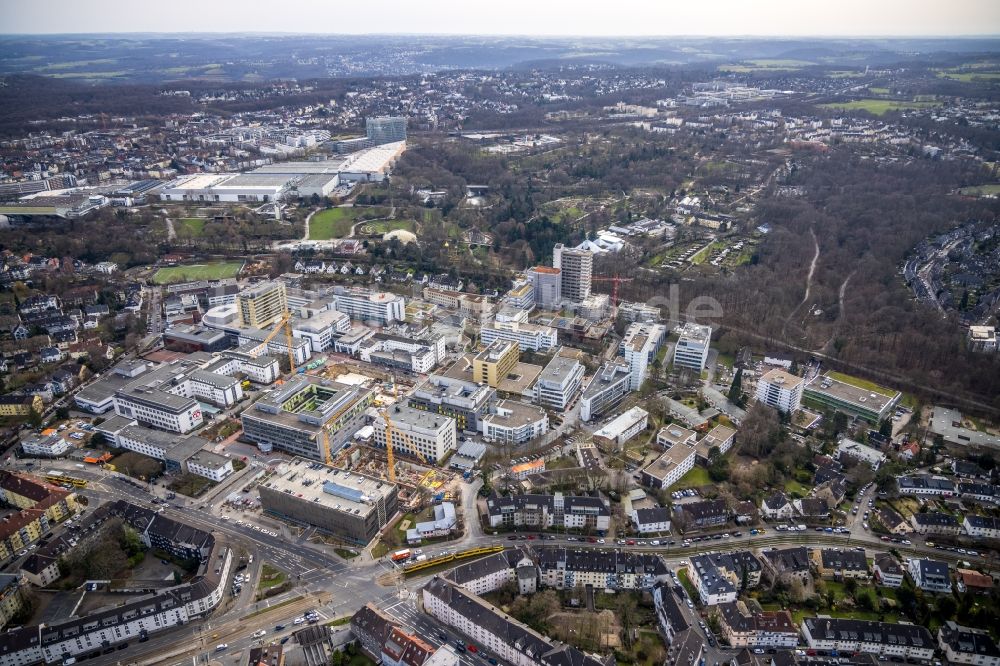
<point>61,478</point>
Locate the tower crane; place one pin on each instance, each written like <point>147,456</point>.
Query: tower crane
<point>615,280</point>
<point>283,324</point>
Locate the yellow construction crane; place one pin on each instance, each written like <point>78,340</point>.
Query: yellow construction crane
<point>327,456</point>
<point>283,324</point>
<point>390,449</point>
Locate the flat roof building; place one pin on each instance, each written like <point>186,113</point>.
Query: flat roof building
<point>348,505</point>
<point>691,350</point>
<point>622,428</point>
<point>417,432</point>
<point>851,396</point>
<point>263,304</point>
<point>576,268</point>
<point>515,422</point>
<point>780,390</point>
<point>559,382</point>
<point>290,418</point>
<point>493,364</point>
<point>606,390</point>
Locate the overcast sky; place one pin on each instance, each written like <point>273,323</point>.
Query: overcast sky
<point>510,17</point>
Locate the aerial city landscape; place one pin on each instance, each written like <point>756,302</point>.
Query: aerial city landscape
<point>341,341</point>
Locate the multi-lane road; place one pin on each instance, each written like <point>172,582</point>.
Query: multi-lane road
<point>336,588</point>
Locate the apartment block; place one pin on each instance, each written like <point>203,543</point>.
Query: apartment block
<point>780,390</point>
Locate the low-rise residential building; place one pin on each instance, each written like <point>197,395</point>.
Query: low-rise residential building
<point>566,568</point>
<point>927,485</point>
<point>654,520</point>
<point>513,642</point>
<point>965,645</point>
<point>11,598</point>
<point>887,570</point>
<point>984,493</point>
<point>786,564</point>
<point>866,454</point>
<point>893,521</point>
<point>743,628</point>
<point>840,563</point>
<point>701,515</point>
<point>20,406</point>
<point>935,522</point>
<point>669,468</point>
<point>673,434</point>
<point>579,512</point>
<point>670,615</point>
<point>908,641</point>
<point>718,440</point>
<point>777,506</point>
<point>986,527</point>
<point>930,575</point>
<point>720,577</point>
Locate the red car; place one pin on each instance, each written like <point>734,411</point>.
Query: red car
<point>591,539</point>
<point>531,537</point>
<point>472,648</point>
<point>630,542</point>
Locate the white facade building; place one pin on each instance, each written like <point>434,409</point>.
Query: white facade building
<point>559,382</point>
<point>418,433</point>
<point>780,390</point>
<point>639,346</point>
<point>515,422</point>
<point>529,337</point>
<point>691,350</point>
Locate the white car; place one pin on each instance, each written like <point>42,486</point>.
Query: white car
<point>298,620</point>
<point>258,633</point>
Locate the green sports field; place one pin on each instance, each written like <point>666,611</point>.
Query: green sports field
<point>878,106</point>
<point>215,270</point>
<point>337,222</point>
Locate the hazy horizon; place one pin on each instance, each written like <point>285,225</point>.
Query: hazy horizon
<point>777,19</point>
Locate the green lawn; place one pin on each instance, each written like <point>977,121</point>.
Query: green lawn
<point>385,226</point>
<point>982,190</point>
<point>697,477</point>
<point>767,65</point>
<point>271,577</point>
<point>969,77</point>
<point>861,383</point>
<point>215,270</point>
<point>879,91</point>
<point>195,225</point>
<point>878,106</point>
<point>682,576</point>
<point>793,487</point>
<point>337,222</point>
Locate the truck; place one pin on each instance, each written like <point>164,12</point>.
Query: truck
<point>421,558</point>
<point>400,555</point>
